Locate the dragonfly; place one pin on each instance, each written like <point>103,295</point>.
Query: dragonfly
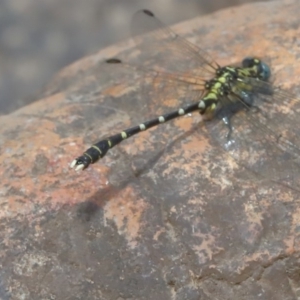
<point>249,117</point>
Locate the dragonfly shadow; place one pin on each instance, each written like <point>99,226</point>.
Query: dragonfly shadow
<point>152,161</point>
<point>90,207</point>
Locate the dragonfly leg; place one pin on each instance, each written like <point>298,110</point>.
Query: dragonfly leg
<point>257,110</point>
<point>227,122</point>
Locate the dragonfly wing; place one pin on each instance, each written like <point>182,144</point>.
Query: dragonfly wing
<point>159,92</point>
<point>159,45</point>
<point>264,139</point>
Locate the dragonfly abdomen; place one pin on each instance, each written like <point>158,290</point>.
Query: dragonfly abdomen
<point>98,150</point>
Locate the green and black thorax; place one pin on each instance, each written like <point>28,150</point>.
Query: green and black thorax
<point>229,80</point>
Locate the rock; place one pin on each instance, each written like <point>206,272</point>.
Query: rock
<point>164,216</point>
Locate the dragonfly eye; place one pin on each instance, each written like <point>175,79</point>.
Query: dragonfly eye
<point>265,72</point>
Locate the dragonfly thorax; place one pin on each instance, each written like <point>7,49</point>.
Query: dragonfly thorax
<point>221,84</point>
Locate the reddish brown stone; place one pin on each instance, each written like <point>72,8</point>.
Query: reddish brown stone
<point>163,216</point>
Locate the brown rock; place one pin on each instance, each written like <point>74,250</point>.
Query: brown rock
<point>163,216</point>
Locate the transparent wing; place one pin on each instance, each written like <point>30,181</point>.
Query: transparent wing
<point>174,68</point>
<point>162,92</point>
<point>159,45</point>
<point>265,137</point>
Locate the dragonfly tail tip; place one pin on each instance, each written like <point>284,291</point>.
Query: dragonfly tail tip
<point>76,165</point>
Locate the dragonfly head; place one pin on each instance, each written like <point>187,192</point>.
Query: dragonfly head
<point>261,69</point>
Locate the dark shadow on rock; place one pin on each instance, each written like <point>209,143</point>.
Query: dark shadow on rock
<point>87,209</point>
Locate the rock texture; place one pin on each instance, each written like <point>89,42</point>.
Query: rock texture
<point>163,216</point>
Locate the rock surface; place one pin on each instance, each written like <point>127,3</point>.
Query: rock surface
<point>164,216</point>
